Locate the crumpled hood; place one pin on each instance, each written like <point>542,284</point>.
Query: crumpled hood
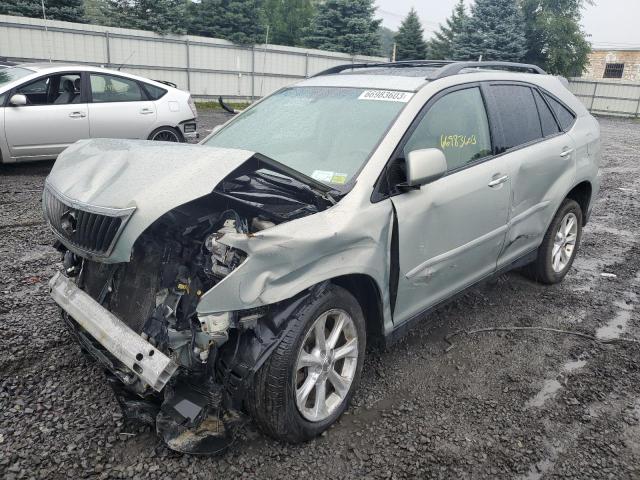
<point>153,177</point>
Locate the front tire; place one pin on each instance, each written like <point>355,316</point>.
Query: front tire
<point>559,246</point>
<point>166,134</point>
<point>308,381</point>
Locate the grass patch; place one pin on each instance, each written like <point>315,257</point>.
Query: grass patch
<point>214,105</point>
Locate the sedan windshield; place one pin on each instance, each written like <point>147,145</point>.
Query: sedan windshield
<point>12,73</point>
<point>325,133</point>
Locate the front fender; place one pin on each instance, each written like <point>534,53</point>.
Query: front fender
<point>289,258</point>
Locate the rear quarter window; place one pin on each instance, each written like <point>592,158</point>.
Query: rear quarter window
<point>155,93</point>
<point>565,117</point>
<point>547,120</point>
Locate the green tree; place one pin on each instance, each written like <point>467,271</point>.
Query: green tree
<point>160,16</point>
<point>555,39</point>
<point>287,19</point>
<point>345,26</point>
<point>495,31</point>
<point>240,21</point>
<point>66,10</point>
<point>410,44</point>
<point>94,12</point>
<point>440,46</point>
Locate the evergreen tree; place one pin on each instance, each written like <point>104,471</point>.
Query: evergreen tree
<point>94,12</point>
<point>160,16</point>
<point>555,40</point>
<point>287,19</point>
<point>410,44</point>
<point>439,47</point>
<point>66,10</point>
<point>240,21</point>
<point>345,26</point>
<point>495,31</point>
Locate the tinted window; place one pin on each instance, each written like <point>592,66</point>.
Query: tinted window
<point>456,124</point>
<point>154,92</point>
<point>53,90</point>
<point>518,115</point>
<point>549,124</point>
<point>107,88</point>
<point>564,116</point>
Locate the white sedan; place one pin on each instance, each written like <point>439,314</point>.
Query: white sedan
<point>46,107</point>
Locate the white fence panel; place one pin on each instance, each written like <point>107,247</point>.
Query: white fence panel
<point>607,97</point>
<point>207,67</point>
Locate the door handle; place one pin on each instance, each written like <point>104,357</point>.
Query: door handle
<point>498,181</point>
<point>146,111</point>
<point>77,115</point>
<point>566,152</point>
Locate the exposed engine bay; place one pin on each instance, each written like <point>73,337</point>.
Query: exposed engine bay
<point>173,263</point>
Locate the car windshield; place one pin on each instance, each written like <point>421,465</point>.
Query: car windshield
<point>12,73</point>
<point>326,133</point>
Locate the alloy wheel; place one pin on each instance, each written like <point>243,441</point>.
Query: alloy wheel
<point>166,136</point>
<point>564,243</point>
<point>326,365</point>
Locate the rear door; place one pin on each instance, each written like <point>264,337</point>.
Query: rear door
<point>55,116</point>
<point>119,108</point>
<point>542,157</point>
<point>450,231</point>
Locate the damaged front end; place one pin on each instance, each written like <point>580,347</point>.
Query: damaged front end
<point>136,311</point>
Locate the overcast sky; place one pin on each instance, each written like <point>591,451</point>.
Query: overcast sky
<point>611,23</point>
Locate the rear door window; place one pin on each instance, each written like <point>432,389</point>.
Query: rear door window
<point>518,114</point>
<point>564,116</point>
<point>109,88</point>
<point>457,124</point>
<point>547,120</point>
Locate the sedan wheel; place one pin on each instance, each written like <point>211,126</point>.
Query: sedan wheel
<point>165,135</point>
<point>326,365</point>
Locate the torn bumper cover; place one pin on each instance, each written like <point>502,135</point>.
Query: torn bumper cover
<point>143,359</point>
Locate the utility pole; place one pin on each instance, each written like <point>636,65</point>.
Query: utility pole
<point>393,52</point>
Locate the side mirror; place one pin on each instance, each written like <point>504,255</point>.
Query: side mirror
<point>18,100</point>
<point>424,166</point>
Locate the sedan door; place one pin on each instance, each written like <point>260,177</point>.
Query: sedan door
<point>54,117</point>
<point>119,108</point>
<point>451,231</point>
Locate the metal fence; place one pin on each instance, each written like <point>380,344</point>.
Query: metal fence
<point>607,97</point>
<point>207,67</point>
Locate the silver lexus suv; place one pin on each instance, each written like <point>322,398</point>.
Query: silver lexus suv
<point>248,273</point>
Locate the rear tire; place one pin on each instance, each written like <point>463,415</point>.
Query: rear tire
<point>285,398</point>
<point>559,246</point>
<point>166,134</point>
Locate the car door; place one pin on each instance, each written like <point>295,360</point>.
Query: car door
<point>119,108</point>
<point>451,230</point>
<point>543,161</point>
<point>54,117</point>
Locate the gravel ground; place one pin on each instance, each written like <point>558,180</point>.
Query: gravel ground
<point>524,405</point>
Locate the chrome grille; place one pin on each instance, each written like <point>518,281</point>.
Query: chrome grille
<point>93,230</point>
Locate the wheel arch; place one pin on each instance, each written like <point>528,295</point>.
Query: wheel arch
<point>367,293</point>
<point>581,193</point>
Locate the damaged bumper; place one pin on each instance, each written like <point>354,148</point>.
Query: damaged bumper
<point>143,359</point>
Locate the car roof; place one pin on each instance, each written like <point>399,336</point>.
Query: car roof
<point>412,75</point>
<point>53,67</point>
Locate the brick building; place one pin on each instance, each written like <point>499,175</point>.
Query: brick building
<point>614,64</point>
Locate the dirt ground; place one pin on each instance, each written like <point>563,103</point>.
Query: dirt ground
<point>525,405</point>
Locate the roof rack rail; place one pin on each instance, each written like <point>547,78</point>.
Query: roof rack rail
<point>456,67</point>
<point>445,68</point>
<point>400,64</point>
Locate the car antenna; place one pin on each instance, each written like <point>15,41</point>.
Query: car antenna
<point>126,61</point>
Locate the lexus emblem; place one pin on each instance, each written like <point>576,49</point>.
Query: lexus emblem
<point>68,222</point>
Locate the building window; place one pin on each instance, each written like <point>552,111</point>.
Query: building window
<point>614,70</point>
